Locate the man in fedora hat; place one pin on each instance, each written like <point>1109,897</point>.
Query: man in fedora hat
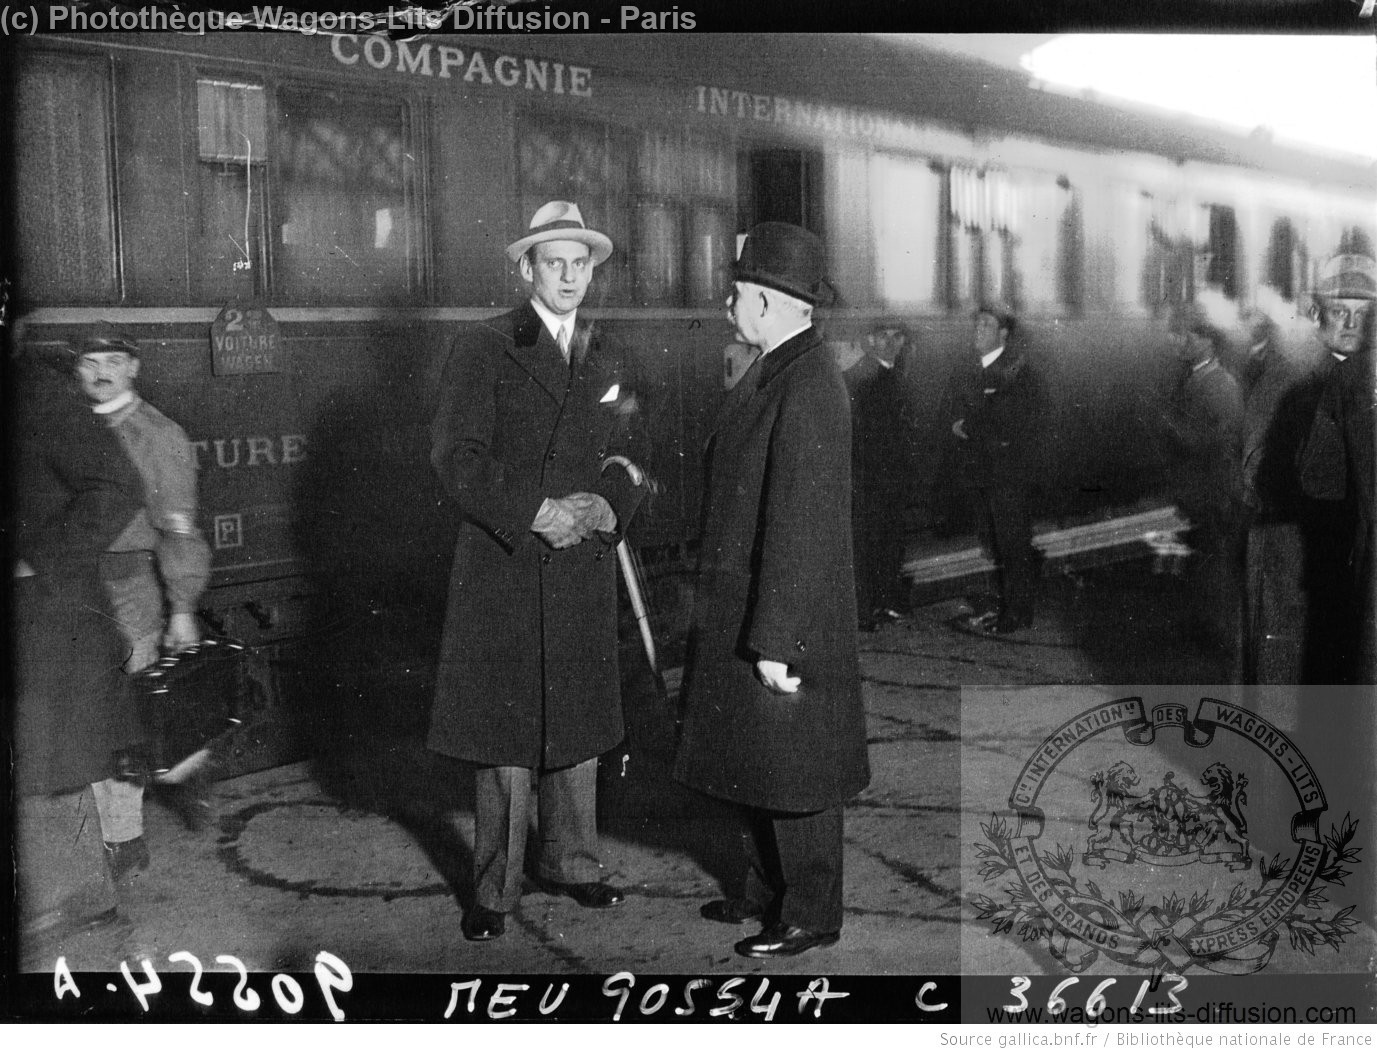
<point>773,717</point>
<point>532,406</point>
<point>1337,470</point>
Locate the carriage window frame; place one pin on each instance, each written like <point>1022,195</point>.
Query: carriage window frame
<point>263,271</point>
<point>652,222</point>
<point>983,222</point>
<point>108,286</point>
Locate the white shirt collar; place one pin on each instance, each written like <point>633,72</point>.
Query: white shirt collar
<point>119,402</point>
<point>990,356</point>
<point>553,321</point>
<point>786,338</point>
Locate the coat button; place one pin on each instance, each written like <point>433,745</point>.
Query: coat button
<point>545,558</point>
<point>550,456</point>
<point>800,645</point>
<point>602,454</point>
<point>598,556</point>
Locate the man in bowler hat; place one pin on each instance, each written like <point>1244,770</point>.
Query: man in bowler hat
<point>773,716</point>
<point>533,406</point>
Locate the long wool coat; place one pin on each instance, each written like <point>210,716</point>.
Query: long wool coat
<point>775,581</point>
<point>528,662</point>
<point>75,491</point>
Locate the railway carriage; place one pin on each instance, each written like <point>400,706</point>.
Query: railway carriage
<point>359,188</point>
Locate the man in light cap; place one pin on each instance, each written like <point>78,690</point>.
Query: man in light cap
<point>1337,465</point>
<point>155,571</point>
<point>773,716</point>
<point>533,406</point>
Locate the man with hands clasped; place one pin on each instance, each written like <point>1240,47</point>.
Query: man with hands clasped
<point>533,406</point>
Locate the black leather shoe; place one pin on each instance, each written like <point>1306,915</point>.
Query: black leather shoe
<point>126,858</point>
<point>483,924</point>
<point>732,910</point>
<point>588,894</point>
<point>782,939</point>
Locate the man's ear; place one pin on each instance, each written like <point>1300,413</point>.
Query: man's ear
<point>523,264</point>
<point>133,367</point>
<point>1314,313</point>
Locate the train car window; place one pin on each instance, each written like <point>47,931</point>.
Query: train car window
<point>1015,236</point>
<point>588,163</point>
<point>1119,263</point>
<point>666,198</point>
<point>233,149</point>
<point>232,121</point>
<point>967,228</point>
<point>1356,241</point>
<point>1284,262</point>
<point>905,206</point>
<point>65,247</point>
<point>345,201</point>
<point>1175,228</point>
<point>1037,218</point>
<point>1218,258</point>
<point>781,185</point>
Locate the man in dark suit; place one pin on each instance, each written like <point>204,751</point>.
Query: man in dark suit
<point>773,716</point>
<point>75,491</point>
<point>1337,470</point>
<point>1203,425</point>
<point>883,455</point>
<point>991,408</point>
<point>533,407</point>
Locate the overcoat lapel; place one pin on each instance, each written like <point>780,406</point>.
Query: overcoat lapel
<point>535,351</point>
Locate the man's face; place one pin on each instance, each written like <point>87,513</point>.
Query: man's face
<point>1345,324</point>
<point>745,311</point>
<point>988,334</point>
<point>105,375</point>
<point>887,343</point>
<point>559,279</point>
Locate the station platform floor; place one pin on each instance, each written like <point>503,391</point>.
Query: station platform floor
<point>364,850</point>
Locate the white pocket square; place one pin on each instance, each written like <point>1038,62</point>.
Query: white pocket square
<point>612,393</point>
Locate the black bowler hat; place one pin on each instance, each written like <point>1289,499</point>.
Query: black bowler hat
<point>784,257</point>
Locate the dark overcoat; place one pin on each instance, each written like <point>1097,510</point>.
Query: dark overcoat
<point>75,491</point>
<point>528,662</point>
<point>775,581</point>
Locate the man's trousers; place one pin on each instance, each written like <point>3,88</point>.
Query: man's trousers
<point>795,867</point>
<point>567,829</point>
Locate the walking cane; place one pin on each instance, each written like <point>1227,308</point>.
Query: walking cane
<point>631,575</point>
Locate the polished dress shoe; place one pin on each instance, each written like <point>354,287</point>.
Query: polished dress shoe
<point>483,924</point>
<point>126,858</point>
<point>731,910</point>
<point>782,939</point>
<point>588,894</point>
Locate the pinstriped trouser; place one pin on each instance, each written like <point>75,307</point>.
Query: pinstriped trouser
<point>567,829</point>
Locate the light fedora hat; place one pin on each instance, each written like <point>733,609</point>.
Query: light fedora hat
<point>557,221</point>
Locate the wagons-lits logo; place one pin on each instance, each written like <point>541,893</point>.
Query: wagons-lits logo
<point>1168,825</point>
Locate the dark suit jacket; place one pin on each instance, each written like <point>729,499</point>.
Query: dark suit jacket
<point>528,662</point>
<point>75,491</point>
<point>1000,409</point>
<point>775,581</point>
